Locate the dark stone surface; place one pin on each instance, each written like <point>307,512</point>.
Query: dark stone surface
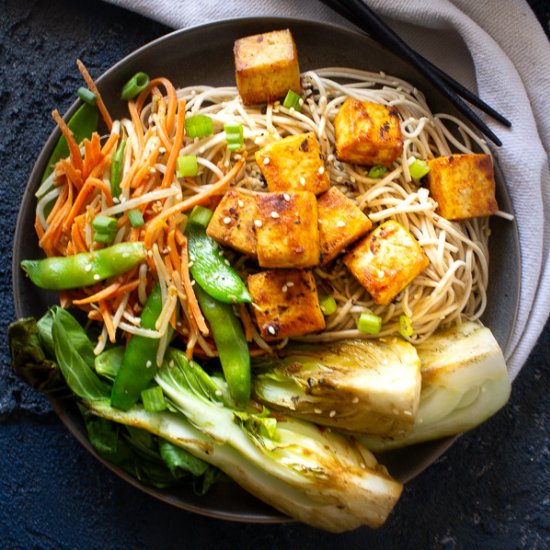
<point>491,489</point>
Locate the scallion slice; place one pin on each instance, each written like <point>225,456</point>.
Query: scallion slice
<point>104,224</point>
<point>369,323</point>
<point>200,215</point>
<point>377,171</point>
<point>116,169</point>
<point>405,326</point>
<point>104,237</point>
<point>134,86</point>
<point>292,101</point>
<point>234,136</point>
<point>86,95</point>
<point>153,399</point>
<point>418,169</point>
<point>199,126</point>
<point>328,305</point>
<point>136,218</point>
<point>187,166</point>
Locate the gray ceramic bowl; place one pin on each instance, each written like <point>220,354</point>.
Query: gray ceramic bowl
<point>204,55</point>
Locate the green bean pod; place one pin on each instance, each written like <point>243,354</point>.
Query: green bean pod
<point>82,124</point>
<point>211,270</point>
<point>139,362</point>
<point>86,268</point>
<point>231,345</point>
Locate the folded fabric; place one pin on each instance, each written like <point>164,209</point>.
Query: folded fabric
<point>497,45</point>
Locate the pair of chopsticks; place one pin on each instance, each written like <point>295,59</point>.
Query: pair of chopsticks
<point>358,13</point>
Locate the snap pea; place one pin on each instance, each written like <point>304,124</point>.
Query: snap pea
<point>82,124</point>
<point>139,362</point>
<point>86,268</point>
<point>231,345</point>
<point>211,270</point>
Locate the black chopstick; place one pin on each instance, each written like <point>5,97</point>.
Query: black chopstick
<point>362,16</point>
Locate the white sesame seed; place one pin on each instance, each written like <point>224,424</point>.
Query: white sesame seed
<point>286,196</point>
<point>274,214</point>
<point>332,414</point>
<point>153,170</point>
<point>88,268</point>
<point>285,288</point>
<point>162,150</point>
<point>96,277</point>
<point>407,413</point>
<point>302,181</point>
<point>226,262</point>
<point>330,158</point>
<point>227,220</point>
<point>381,274</point>
<point>148,364</point>
<point>317,411</point>
<point>341,224</point>
<point>116,200</point>
<point>240,203</point>
<point>192,283</point>
<point>352,179</point>
<point>190,264</point>
<point>339,179</point>
<point>258,223</point>
<point>271,330</point>
<point>289,284</point>
<point>355,400</point>
<point>226,163</point>
<point>266,160</point>
<point>321,170</point>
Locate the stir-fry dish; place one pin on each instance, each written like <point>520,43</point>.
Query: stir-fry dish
<point>271,280</point>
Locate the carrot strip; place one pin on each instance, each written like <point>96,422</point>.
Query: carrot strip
<point>108,320</point>
<point>61,200</point>
<point>178,141</point>
<point>38,227</point>
<point>247,322</point>
<point>155,225</point>
<point>172,100</point>
<point>138,126</point>
<point>194,309</point>
<point>103,294</point>
<point>79,243</point>
<point>93,88</point>
<point>109,145</point>
<point>74,150</point>
<point>71,173</point>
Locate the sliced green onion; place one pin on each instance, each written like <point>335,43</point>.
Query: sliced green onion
<point>187,166</point>
<point>134,86</point>
<point>328,305</point>
<point>369,323</point>
<point>418,169</point>
<point>200,215</point>
<point>104,224</point>
<point>153,399</point>
<point>136,218</point>
<point>405,326</point>
<point>116,169</point>
<point>377,171</point>
<point>86,95</point>
<point>104,237</point>
<point>234,136</point>
<point>292,101</point>
<point>199,126</point>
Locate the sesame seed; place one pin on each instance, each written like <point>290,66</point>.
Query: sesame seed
<point>171,363</point>
<point>226,262</point>
<point>289,284</point>
<point>381,274</point>
<point>258,223</point>
<point>355,400</point>
<point>407,413</point>
<point>317,411</point>
<point>274,214</point>
<point>240,203</point>
<point>190,264</point>
<point>148,364</point>
<point>96,277</point>
<point>271,330</point>
<point>330,158</point>
<point>332,414</point>
<point>116,200</point>
<point>153,170</point>
<point>193,283</point>
<point>227,220</point>
<point>339,179</point>
<point>88,268</point>
<point>162,150</point>
<point>321,170</point>
<point>266,160</point>
<point>286,196</point>
<point>218,393</point>
<point>285,288</point>
<point>352,179</point>
<point>226,163</point>
<point>302,181</point>
<point>341,224</point>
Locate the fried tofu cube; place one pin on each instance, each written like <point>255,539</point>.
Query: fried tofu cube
<point>341,222</point>
<point>367,133</point>
<point>286,303</point>
<point>463,186</point>
<point>294,163</point>
<point>232,223</point>
<point>386,261</point>
<point>287,230</point>
<point>266,66</point>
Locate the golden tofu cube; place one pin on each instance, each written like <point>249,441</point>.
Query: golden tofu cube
<point>232,223</point>
<point>287,230</point>
<point>286,303</point>
<point>266,66</point>
<point>341,222</point>
<point>294,164</point>
<point>386,261</point>
<point>463,186</point>
<point>367,133</point>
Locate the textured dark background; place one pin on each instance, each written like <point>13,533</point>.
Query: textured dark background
<point>490,490</point>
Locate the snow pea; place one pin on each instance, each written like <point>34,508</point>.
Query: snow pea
<point>231,345</point>
<point>86,268</point>
<point>83,123</point>
<point>211,270</point>
<point>139,362</point>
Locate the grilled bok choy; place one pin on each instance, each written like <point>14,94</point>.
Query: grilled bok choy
<point>464,382</point>
<point>312,474</point>
<point>367,386</point>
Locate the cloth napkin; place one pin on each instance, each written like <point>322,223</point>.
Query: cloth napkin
<point>496,44</point>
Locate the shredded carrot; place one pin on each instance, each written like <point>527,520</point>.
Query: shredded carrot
<point>109,144</point>
<point>38,227</point>
<point>83,196</point>
<point>108,320</point>
<point>178,141</point>
<point>194,309</point>
<point>138,126</point>
<point>172,100</point>
<point>93,88</point>
<point>92,154</point>
<point>247,322</point>
<point>61,200</point>
<point>74,150</point>
<point>103,294</point>
<point>79,244</point>
<point>156,224</point>
<point>71,173</point>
